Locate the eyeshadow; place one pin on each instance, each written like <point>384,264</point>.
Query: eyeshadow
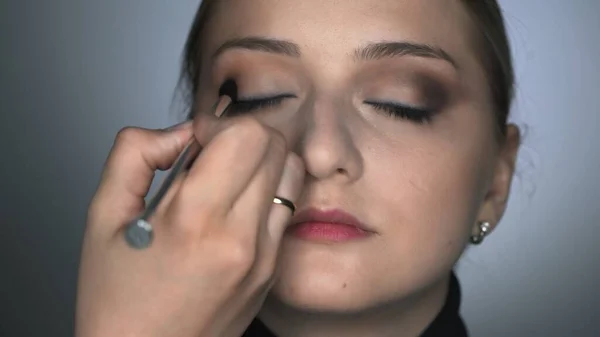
<point>436,94</point>
<point>229,88</point>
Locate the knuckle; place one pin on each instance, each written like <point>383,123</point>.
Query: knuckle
<point>205,232</point>
<point>235,261</point>
<point>190,223</point>
<point>252,130</point>
<point>238,254</point>
<point>94,210</point>
<point>129,134</point>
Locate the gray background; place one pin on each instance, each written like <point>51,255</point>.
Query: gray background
<point>74,72</point>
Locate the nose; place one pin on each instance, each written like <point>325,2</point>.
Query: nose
<point>327,145</point>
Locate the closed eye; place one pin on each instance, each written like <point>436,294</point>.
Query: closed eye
<point>402,111</point>
<point>247,105</point>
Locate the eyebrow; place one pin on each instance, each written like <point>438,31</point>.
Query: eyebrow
<point>381,50</point>
<point>372,51</point>
<point>273,46</point>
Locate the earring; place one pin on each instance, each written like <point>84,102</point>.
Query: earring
<point>484,229</point>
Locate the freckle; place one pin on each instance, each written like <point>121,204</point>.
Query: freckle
<point>344,286</point>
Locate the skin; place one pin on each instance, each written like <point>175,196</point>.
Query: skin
<point>421,187</point>
<point>221,255</point>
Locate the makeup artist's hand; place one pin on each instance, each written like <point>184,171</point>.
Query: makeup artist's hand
<point>216,235</point>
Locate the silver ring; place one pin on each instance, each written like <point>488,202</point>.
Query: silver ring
<point>285,202</point>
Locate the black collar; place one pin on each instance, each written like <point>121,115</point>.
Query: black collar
<point>447,323</point>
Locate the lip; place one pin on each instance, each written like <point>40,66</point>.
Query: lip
<point>328,225</point>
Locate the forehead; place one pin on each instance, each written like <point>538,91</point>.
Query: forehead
<point>338,26</point>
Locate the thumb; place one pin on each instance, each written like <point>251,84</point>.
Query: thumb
<point>129,170</point>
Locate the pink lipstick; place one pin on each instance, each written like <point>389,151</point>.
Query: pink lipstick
<point>332,226</point>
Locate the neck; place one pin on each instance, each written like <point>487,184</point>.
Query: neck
<point>406,317</point>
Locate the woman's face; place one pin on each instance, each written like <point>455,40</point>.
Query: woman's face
<point>388,105</point>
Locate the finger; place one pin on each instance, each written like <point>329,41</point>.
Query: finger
<point>250,212</point>
<point>130,168</point>
<point>271,232</point>
<point>290,187</point>
<point>225,167</point>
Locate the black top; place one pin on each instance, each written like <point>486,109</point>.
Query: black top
<point>447,323</point>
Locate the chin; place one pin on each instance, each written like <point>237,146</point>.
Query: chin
<point>323,294</point>
<point>329,278</point>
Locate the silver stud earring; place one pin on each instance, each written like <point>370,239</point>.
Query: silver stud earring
<point>484,229</point>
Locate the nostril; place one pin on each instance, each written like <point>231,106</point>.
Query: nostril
<point>341,171</point>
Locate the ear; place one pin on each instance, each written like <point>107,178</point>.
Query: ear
<point>496,197</point>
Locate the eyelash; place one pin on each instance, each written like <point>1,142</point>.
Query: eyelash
<point>395,110</point>
<point>240,106</point>
<point>400,111</point>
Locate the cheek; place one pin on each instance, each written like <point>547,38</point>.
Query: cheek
<point>421,199</point>
<point>429,195</point>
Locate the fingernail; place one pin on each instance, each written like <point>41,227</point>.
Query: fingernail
<point>178,126</point>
